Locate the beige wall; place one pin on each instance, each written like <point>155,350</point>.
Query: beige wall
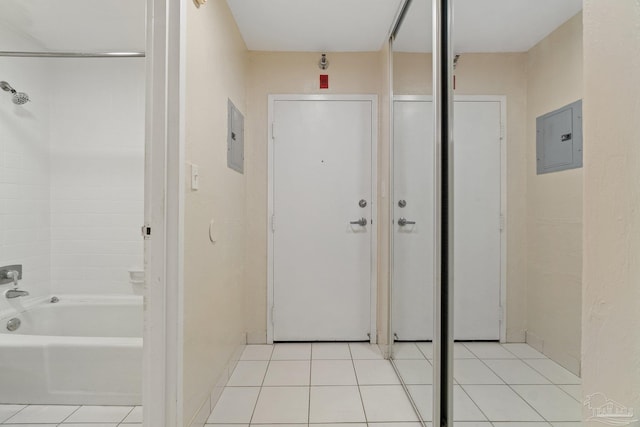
<point>213,273</point>
<point>285,73</point>
<point>554,205</point>
<point>611,290</point>
<point>491,74</point>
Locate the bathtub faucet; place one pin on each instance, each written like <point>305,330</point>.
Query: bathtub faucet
<point>15,293</point>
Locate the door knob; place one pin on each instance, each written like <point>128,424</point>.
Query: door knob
<point>403,221</point>
<point>361,222</point>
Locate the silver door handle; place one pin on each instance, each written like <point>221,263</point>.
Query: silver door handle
<point>403,221</point>
<point>362,222</point>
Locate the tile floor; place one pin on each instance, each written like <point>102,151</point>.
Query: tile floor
<point>64,415</point>
<point>509,385</point>
<point>314,385</point>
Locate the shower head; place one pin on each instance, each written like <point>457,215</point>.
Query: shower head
<point>19,98</point>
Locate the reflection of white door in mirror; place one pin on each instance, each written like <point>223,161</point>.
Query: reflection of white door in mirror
<point>477,244</point>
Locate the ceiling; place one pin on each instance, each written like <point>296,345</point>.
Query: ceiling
<point>288,25</point>
<point>313,25</point>
<point>75,25</point>
<point>488,25</point>
<point>363,25</point>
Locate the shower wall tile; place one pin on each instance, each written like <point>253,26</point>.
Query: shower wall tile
<point>24,179</point>
<point>97,175</point>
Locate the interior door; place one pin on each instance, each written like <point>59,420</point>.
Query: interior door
<point>322,233</point>
<point>477,192</point>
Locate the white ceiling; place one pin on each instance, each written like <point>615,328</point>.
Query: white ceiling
<point>289,25</point>
<point>314,25</point>
<point>77,25</point>
<point>363,25</point>
<point>488,25</point>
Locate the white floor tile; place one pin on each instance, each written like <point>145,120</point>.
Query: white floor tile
<point>426,348</point>
<point>282,405</point>
<point>7,411</point>
<point>333,372</point>
<point>88,425</point>
<point>524,351</point>
<point>551,402</point>
<point>228,425</point>
<point>553,372</point>
<point>574,390</point>
<point>460,351</point>
<point>291,352</point>
<point>403,424</point>
<point>405,350</point>
<point>336,405</point>
<point>248,374</point>
<point>471,424</point>
<point>415,371</point>
<point>42,414</point>
<point>569,424</point>
<point>270,425</point>
<point>464,409</point>
<point>522,424</point>
<point>257,352</point>
<point>140,425</point>
<point>330,351</point>
<point>134,416</point>
<point>99,414</point>
<point>361,350</point>
<point>473,371</point>
<point>489,350</point>
<point>500,403</point>
<point>42,425</point>
<point>375,372</point>
<point>288,373</point>
<point>422,396</point>
<point>516,372</point>
<point>341,425</point>
<point>235,405</point>
<point>387,403</point>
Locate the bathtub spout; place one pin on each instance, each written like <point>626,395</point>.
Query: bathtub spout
<point>15,293</point>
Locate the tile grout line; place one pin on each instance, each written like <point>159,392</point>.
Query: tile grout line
<point>11,416</point>
<point>355,374</point>
<point>310,370</point>
<point>512,389</point>
<point>255,405</point>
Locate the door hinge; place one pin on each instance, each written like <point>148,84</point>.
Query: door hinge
<point>502,221</point>
<point>146,232</point>
<point>273,223</point>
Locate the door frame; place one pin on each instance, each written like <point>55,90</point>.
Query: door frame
<point>163,216</point>
<point>503,188</point>
<point>374,201</point>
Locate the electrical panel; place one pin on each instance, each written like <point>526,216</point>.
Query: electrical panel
<point>559,139</point>
<point>235,139</point>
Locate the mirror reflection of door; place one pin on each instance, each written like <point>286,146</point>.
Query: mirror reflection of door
<point>477,192</point>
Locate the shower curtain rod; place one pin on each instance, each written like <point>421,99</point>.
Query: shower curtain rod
<point>73,54</point>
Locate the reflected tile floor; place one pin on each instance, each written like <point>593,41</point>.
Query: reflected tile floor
<point>70,415</point>
<point>318,385</point>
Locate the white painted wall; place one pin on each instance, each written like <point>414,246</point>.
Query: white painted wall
<point>611,269</point>
<point>97,173</point>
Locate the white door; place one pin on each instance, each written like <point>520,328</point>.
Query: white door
<point>322,182</point>
<point>477,192</point>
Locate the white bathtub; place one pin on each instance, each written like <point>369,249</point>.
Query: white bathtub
<point>82,350</point>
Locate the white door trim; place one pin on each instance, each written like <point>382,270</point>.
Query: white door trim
<point>503,188</point>
<point>164,195</point>
<point>374,202</point>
